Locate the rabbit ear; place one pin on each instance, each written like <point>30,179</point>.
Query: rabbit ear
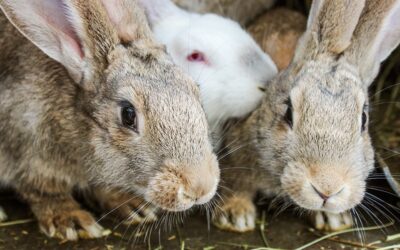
<point>330,27</point>
<point>46,24</point>
<point>376,36</point>
<point>128,19</point>
<point>77,33</point>
<point>157,10</point>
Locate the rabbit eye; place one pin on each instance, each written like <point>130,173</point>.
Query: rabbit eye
<point>289,113</point>
<point>363,120</point>
<point>128,116</point>
<point>196,56</point>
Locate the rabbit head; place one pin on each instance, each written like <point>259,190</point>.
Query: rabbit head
<point>148,132</point>
<point>218,54</point>
<point>326,151</point>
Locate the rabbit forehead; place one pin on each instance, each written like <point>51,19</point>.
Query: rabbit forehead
<point>174,121</point>
<point>134,70</point>
<point>328,103</point>
<point>325,85</point>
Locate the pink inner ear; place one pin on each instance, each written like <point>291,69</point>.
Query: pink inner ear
<point>56,15</point>
<point>77,47</point>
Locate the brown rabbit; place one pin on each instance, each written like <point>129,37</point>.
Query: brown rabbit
<point>89,102</point>
<point>277,32</point>
<point>238,10</point>
<point>308,142</point>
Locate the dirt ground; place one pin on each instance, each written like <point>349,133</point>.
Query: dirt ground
<point>284,231</point>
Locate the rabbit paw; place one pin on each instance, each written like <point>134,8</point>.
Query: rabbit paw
<point>237,214</point>
<point>3,215</point>
<point>129,207</point>
<point>332,222</point>
<point>68,223</point>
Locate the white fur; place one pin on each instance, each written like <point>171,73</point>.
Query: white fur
<point>95,230</point>
<point>236,66</point>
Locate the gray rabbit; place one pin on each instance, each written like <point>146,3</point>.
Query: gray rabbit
<point>89,102</point>
<point>309,139</point>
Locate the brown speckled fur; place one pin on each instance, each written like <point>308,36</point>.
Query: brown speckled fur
<point>61,127</point>
<point>325,149</point>
<point>277,31</point>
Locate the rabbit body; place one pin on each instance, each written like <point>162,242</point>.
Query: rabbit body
<point>100,108</point>
<point>277,32</point>
<point>308,142</point>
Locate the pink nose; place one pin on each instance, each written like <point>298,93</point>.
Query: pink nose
<point>321,194</point>
<point>325,196</point>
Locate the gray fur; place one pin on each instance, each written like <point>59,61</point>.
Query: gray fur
<point>61,128</point>
<point>326,147</point>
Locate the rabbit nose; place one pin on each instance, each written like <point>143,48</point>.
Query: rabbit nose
<point>321,194</point>
<point>324,196</point>
<point>199,193</point>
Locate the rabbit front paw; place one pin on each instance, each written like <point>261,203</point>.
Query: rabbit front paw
<point>237,214</point>
<point>3,215</point>
<point>332,222</point>
<point>132,209</point>
<point>66,220</point>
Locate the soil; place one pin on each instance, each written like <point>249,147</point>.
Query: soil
<point>287,231</point>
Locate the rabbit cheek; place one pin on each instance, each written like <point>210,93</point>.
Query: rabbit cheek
<point>297,182</point>
<point>294,182</point>
<point>163,191</point>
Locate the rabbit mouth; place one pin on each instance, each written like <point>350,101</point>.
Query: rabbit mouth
<point>176,200</point>
<point>339,201</point>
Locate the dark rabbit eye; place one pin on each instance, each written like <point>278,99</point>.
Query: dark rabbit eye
<point>128,115</point>
<point>363,120</point>
<point>289,113</point>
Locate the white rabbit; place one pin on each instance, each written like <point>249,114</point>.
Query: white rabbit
<point>227,63</point>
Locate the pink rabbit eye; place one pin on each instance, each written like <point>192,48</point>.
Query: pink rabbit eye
<point>196,57</point>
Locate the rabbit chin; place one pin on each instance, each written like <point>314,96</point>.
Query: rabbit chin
<point>342,193</point>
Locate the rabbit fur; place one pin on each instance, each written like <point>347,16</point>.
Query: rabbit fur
<point>277,32</point>
<point>241,11</point>
<point>230,68</point>
<point>89,102</point>
<point>308,142</point>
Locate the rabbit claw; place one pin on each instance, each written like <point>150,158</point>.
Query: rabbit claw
<point>238,214</point>
<point>70,225</point>
<point>332,222</point>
